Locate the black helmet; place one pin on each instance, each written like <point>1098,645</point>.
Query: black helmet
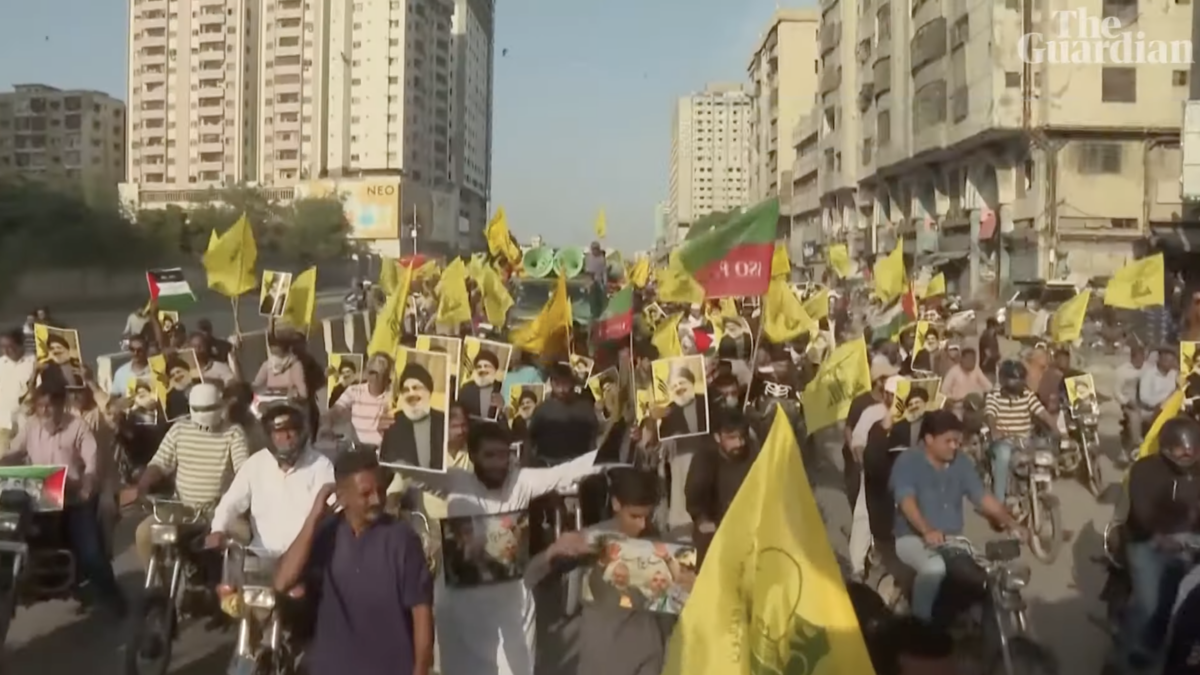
<point>1179,433</point>
<point>281,416</point>
<point>1011,374</point>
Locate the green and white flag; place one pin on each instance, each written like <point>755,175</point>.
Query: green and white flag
<point>170,289</point>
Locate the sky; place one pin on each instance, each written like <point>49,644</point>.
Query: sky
<point>582,99</point>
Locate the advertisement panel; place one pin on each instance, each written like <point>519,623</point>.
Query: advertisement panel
<point>372,204</point>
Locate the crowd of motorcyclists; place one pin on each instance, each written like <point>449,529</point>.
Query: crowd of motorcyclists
<point>316,495</point>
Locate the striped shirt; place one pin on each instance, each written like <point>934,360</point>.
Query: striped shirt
<point>365,411</point>
<point>1012,416</point>
<point>202,461</point>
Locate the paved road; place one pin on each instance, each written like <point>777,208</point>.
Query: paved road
<point>52,640</point>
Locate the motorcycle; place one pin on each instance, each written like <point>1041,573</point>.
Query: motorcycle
<point>1081,444</point>
<point>1029,498</point>
<point>248,594</point>
<point>36,564</point>
<point>994,624</point>
<point>176,587</point>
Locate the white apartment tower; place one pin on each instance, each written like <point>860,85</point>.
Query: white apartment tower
<point>470,152</point>
<point>710,141</point>
<point>292,76</point>
<point>192,90</point>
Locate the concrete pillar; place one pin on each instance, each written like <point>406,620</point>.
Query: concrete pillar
<point>973,257</point>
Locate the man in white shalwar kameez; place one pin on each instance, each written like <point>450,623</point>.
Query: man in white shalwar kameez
<point>491,629</point>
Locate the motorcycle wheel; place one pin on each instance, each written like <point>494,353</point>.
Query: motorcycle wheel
<point>151,641</point>
<point>1046,541</point>
<point>1028,658</point>
<point>1095,478</point>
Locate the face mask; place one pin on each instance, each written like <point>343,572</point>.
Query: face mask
<point>731,401</point>
<point>206,419</point>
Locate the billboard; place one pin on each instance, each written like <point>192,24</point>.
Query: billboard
<point>371,204</point>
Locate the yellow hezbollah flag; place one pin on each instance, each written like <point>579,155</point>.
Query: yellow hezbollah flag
<point>1170,410</point>
<point>601,224</point>
<point>818,305</point>
<point>784,318</point>
<point>839,260</point>
<point>389,275</point>
<point>499,240</point>
<point>676,285</point>
<point>1138,284</point>
<point>428,270</point>
<point>936,287</point>
<point>551,326</point>
<point>844,375</point>
<point>770,599</point>
<point>212,240</point>
<point>1066,325</point>
<point>496,298</point>
<point>781,263</point>
<point>301,300</point>
<point>389,325</point>
<point>666,337</point>
<point>454,304</point>
<point>890,276</point>
<point>230,260</point>
<point>639,274</point>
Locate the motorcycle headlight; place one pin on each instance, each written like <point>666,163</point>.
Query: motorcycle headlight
<point>9,522</point>
<point>259,597</point>
<point>163,535</point>
<point>1015,578</point>
<point>1043,458</point>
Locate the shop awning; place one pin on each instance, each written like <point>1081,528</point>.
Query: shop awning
<point>1181,238</point>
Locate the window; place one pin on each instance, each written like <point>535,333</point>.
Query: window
<point>1124,11</point>
<point>1118,85</point>
<point>1179,78</point>
<point>1012,79</point>
<point>1098,158</point>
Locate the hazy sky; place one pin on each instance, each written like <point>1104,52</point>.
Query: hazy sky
<point>582,98</point>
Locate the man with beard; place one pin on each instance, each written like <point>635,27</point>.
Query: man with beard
<point>527,402</point>
<point>736,337</point>
<point>481,396</point>
<point>417,438</point>
<point>564,425</point>
<point>494,486</point>
<point>179,383</point>
<point>368,575</point>
<point>716,474</point>
<point>687,414</point>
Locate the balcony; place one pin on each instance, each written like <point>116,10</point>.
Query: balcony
<point>830,36</point>
<point>831,79</point>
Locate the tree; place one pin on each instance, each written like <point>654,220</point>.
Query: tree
<point>318,231</point>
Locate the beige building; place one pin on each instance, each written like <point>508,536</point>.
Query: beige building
<point>805,205</point>
<point>783,78</point>
<point>995,166</point>
<point>74,139</point>
<point>710,138</point>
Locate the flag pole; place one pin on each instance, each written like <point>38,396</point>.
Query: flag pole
<point>237,325</point>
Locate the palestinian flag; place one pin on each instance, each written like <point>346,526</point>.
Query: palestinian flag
<point>45,484</point>
<point>733,259</point>
<point>170,289</point>
<point>616,322</point>
<point>704,340</point>
<point>902,313</point>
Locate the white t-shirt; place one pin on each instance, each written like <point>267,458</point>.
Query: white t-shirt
<point>870,417</point>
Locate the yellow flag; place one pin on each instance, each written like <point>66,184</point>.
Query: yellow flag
<point>477,265</point>
<point>1170,410</point>
<point>389,275</point>
<point>784,318</point>
<point>936,287</point>
<point>666,337</point>
<point>301,300</point>
<point>499,240</point>
<point>781,263</point>
<point>389,325</point>
<point>639,274</point>
<point>1138,284</point>
<point>496,298</point>
<point>1066,325</point>
<point>212,240</point>
<point>601,225</point>
<point>429,270</point>
<point>550,331</point>
<point>230,260</point>
<point>454,303</point>
<point>770,598</point>
<point>844,375</point>
<point>890,276</point>
<point>676,285</point>
<point>919,340</point>
<point>839,260</point>
<point>818,305</point>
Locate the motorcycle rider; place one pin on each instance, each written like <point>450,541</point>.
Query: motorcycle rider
<point>1164,500</point>
<point>929,482</point>
<point>202,451</point>
<point>277,486</point>
<point>1129,375</point>
<point>1010,411</point>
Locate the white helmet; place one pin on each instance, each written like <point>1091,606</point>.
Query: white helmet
<point>205,405</point>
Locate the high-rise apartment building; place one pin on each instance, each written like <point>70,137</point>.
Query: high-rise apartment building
<point>292,83</point>
<point>470,152</point>
<point>710,135</point>
<point>72,139</point>
<point>783,77</point>
<point>193,87</point>
<point>991,164</point>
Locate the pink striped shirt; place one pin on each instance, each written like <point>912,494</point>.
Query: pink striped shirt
<point>72,445</point>
<point>365,411</point>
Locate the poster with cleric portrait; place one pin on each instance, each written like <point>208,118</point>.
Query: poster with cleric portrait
<point>679,401</point>
<point>420,402</point>
<point>484,365</point>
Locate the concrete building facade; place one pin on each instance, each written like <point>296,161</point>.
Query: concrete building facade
<point>710,171</point>
<point>783,74</point>
<point>72,139</point>
<point>988,165</point>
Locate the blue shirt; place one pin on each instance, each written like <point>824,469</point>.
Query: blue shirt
<point>124,376</point>
<point>368,586</point>
<point>939,490</point>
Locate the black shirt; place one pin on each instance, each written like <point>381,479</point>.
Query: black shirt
<point>713,481</point>
<point>1163,499</point>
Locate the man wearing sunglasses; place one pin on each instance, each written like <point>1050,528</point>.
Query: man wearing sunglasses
<point>138,368</point>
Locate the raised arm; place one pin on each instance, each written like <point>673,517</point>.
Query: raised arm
<point>544,481</point>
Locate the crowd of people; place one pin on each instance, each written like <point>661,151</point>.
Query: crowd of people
<point>325,482</point>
